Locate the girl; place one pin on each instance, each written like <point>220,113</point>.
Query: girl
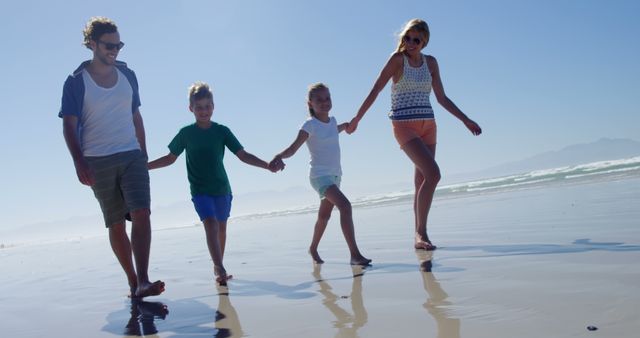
<point>414,75</point>
<point>320,132</point>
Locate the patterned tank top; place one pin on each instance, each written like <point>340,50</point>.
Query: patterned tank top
<point>410,95</point>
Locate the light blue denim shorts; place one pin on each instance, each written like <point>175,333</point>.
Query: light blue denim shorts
<point>322,183</point>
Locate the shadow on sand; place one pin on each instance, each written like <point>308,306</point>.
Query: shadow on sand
<point>577,246</point>
<point>190,318</point>
<point>245,288</point>
<point>141,321</point>
<point>347,324</point>
<point>437,304</point>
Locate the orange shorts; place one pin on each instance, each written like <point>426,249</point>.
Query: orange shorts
<point>405,131</point>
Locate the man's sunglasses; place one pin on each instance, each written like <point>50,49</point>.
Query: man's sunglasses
<point>408,39</point>
<point>112,46</point>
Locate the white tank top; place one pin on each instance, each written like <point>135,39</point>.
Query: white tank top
<point>410,95</point>
<point>106,122</point>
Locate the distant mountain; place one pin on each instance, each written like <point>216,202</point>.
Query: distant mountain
<point>601,150</point>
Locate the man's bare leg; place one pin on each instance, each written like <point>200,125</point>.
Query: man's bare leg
<point>141,245</point>
<point>121,247</point>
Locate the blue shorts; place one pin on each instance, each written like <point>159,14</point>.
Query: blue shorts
<point>218,207</point>
<point>322,183</point>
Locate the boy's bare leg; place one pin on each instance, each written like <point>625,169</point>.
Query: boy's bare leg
<point>211,228</point>
<point>141,245</point>
<point>337,198</point>
<point>324,213</point>
<point>121,247</point>
<point>222,237</point>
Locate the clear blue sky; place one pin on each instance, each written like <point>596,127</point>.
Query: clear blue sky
<point>536,75</point>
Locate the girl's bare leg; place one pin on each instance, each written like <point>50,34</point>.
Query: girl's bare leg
<point>324,213</point>
<point>335,196</point>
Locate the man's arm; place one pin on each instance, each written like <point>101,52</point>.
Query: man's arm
<point>140,135</point>
<point>70,131</point>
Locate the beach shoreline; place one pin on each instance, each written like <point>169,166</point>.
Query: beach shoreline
<point>549,261</point>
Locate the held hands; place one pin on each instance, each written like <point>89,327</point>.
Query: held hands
<point>352,126</point>
<point>276,164</point>
<point>473,127</point>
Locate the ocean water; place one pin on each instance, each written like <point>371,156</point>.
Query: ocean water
<point>579,174</point>
<point>613,170</point>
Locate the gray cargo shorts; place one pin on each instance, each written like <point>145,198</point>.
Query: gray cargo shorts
<point>121,184</point>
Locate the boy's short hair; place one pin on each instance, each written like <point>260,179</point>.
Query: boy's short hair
<point>199,90</point>
<point>96,27</point>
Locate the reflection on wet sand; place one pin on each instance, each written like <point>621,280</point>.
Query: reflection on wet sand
<point>346,323</point>
<point>437,303</point>
<point>143,316</point>
<point>227,321</point>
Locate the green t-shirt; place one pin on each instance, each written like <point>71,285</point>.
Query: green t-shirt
<point>205,151</point>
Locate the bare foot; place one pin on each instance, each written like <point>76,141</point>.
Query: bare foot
<point>222,280</point>
<point>360,260</point>
<point>315,256</point>
<point>150,289</point>
<point>221,275</point>
<point>133,286</point>
<point>132,292</point>
<point>423,243</point>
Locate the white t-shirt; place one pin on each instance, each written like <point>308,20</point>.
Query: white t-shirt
<point>106,119</point>
<point>324,147</point>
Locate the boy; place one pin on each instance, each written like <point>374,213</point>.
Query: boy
<point>204,142</point>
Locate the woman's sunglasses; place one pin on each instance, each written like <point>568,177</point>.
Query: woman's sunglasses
<point>408,39</point>
<point>112,46</point>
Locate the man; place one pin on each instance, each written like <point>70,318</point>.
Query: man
<point>105,135</point>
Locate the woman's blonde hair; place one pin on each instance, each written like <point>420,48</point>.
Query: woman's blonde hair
<point>416,25</point>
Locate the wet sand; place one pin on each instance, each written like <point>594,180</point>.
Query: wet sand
<point>544,262</point>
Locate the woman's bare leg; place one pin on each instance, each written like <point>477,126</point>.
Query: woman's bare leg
<point>426,179</point>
